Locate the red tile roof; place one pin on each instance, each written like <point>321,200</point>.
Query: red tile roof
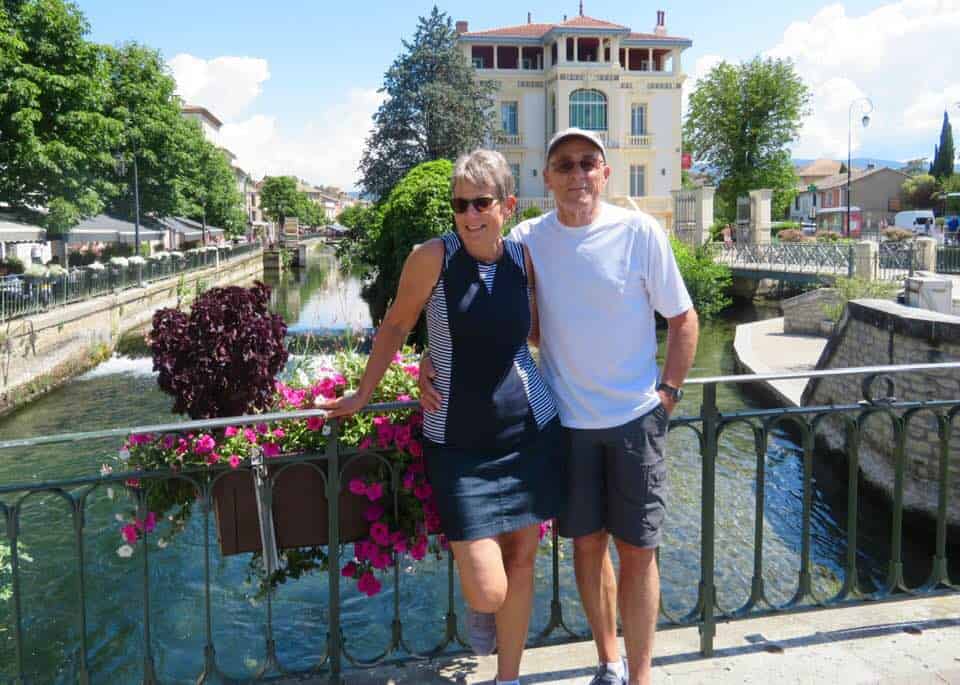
<point>540,30</point>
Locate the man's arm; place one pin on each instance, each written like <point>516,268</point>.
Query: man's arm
<point>682,333</point>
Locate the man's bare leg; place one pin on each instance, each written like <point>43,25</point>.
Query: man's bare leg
<point>638,601</point>
<point>597,584</point>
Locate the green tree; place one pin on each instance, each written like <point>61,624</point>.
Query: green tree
<point>279,198</point>
<point>915,167</point>
<point>707,281</point>
<point>740,120</point>
<point>208,187</point>
<point>309,212</point>
<point>942,166</point>
<point>434,109</point>
<point>918,191</point>
<point>417,209</point>
<point>350,216</point>
<point>55,138</point>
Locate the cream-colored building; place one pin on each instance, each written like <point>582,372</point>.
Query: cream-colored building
<point>601,76</point>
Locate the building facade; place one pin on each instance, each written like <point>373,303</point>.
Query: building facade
<point>875,196</point>
<point>624,86</point>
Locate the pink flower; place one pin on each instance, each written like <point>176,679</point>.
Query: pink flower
<point>230,431</point>
<point>545,527</point>
<point>349,571</point>
<point>419,550</point>
<point>357,486</point>
<point>315,423</point>
<point>366,443</point>
<point>415,448</point>
<point>368,584</point>
<point>429,507</point>
<point>401,436</point>
<point>444,543</point>
<point>150,523</point>
<point>234,461</point>
<point>169,441</point>
<point>140,438</point>
<point>397,358</point>
<point>433,523</point>
<point>213,458</point>
<point>412,370</point>
<point>279,433</point>
<point>408,481</point>
<point>403,398</point>
<point>205,444</point>
<point>250,436</point>
<point>129,533</point>
<point>339,380</point>
<point>374,491</point>
<point>380,533</point>
<point>381,560</point>
<point>416,466</point>
<point>422,491</point>
<point>263,428</point>
<point>132,482</point>
<point>327,388</point>
<point>373,513</point>
<point>400,546</point>
<point>270,450</point>
<point>364,550</point>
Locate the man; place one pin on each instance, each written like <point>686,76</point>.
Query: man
<point>601,272</point>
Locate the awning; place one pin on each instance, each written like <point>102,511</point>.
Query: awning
<point>16,232</point>
<point>107,229</point>
<point>189,229</point>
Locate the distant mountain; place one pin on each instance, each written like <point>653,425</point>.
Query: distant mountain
<point>858,162</point>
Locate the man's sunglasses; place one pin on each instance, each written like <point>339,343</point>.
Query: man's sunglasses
<point>481,204</point>
<point>588,164</point>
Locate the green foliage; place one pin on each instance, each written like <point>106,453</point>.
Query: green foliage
<point>707,281</point>
<point>740,120</point>
<point>918,191</point>
<point>208,185</point>
<point>279,198</point>
<point>826,236</point>
<point>356,251</point>
<point>915,167</point>
<point>417,210</point>
<point>530,212</point>
<point>11,265</point>
<point>855,289</point>
<point>942,166</point>
<point>351,216</point>
<point>434,108</point>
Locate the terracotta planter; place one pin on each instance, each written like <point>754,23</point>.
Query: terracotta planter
<point>300,512</point>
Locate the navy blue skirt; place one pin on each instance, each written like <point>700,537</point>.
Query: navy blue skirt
<point>483,493</point>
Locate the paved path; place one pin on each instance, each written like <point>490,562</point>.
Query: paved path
<point>910,643</point>
<point>763,347</point>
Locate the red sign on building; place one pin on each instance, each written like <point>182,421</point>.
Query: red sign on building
<point>686,160</point>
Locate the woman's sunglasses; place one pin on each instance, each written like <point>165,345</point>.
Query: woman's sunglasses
<point>481,204</point>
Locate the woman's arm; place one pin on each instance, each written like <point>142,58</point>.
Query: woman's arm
<point>534,335</point>
<point>417,280</point>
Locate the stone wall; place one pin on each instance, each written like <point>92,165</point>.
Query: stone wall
<point>59,342</point>
<point>874,333</point>
<point>804,314</point>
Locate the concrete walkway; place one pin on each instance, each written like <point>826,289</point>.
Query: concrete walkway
<point>911,642</point>
<point>763,347</point>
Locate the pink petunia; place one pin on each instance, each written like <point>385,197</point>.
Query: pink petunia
<point>373,513</point>
<point>205,444</point>
<point>349,571</point>
<point>433,523</point>
<point>380,533</point>
<point>415,448</point>
<point>357,486</point>
<point>270,449</point>
<point>401,436</point>
<point>408,481</point>
<point>422,491</point>
<point>263,428</point>
<point>213,458</point>
<point>381,560</point>
<point>234,461</point>
<point>129,533</point>
<point>314,423</point>
<point>150,523</point>
<point>132,482</point>
<point>417,466</point>
<point>400,546</point>
<point>250,435</point>
<point>230,431</point>
<point>374,491</point>
<point>368,584</point>
<point>443,541</point>
<point>140,438</point>
<point>169,441</point>
<point>339,380</point>
<point>397,358</point>
<point>419,551</point>
<point>404,398</point>
<point>279,433</point>
<point>366,443</point>
<point>412,370</point>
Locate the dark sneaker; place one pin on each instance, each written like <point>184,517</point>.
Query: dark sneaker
<point>482,629</point>
<point>606,676</point>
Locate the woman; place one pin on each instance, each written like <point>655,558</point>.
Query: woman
<point>493,446</point>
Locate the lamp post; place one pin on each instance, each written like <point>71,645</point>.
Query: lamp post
<point>866,106</point>
<point>122,168</point>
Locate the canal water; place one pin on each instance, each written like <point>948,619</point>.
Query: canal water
<point>321,300</point>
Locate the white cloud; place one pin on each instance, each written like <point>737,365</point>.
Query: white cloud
<point>701,68</point>
<point>900,55</point>
<point>224,85</point>
<point>326,150</point>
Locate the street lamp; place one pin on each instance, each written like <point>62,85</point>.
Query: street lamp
<point>866,106</point>
<point>122,168</point>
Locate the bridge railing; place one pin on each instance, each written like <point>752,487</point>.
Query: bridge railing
<point>807,258</point>
<point>895,259</point>
<point>24,295</point>
<point>95,631</point>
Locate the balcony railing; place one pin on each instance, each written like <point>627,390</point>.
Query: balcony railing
<point>645,140</point>
<point>502,139</point>
<point>94,634</point>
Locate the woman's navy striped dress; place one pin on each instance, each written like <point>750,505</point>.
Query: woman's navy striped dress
<point>494,447</point>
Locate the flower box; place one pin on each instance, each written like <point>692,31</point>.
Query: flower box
<point>300,509</point>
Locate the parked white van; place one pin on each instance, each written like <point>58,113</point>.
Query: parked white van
<point>917,220</point>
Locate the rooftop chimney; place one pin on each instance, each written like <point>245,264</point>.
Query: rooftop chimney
<point>462,27</point>
<point>661,28</point>
<point>581,8</point>
<point>529,17</point>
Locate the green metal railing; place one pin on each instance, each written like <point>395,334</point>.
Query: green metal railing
<point>830,259</point>
<point>708,427</point>
<point>26,295</point>
<point>948,259</point>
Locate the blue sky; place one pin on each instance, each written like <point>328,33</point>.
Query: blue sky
<point>295,82</point>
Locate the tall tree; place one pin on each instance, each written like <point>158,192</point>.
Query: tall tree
<point>918,191</point>
<point>279,198</point>
<point>55,138</point>
<point>740,120</point>
<point>435,109</point>
<point>942,166</point>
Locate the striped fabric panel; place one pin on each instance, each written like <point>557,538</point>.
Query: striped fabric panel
<point>441,349</point>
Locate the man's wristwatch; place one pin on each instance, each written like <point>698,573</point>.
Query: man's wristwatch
<point>675,393</point>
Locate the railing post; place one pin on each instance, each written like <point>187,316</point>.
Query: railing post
<point>710,418</point>
<point>334,637</point>
<point>850,260</point>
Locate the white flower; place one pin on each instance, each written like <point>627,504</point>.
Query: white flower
<point>106,469</point>
<point>136,259</point>
<point>124,551</point>
<point>120,518</point>
<point>96,266</point>
<point>162,543</point>
<point>118,261</point>
<point>110,494</point>
<point>326,430</point>
<point>124,454</point>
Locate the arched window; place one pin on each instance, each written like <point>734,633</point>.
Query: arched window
<point>588,110</point>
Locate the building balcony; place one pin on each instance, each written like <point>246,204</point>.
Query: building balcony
<point>502,139</point>
<point>642,141</point>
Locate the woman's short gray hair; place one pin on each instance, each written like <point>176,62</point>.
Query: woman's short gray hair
<point>484,167</point>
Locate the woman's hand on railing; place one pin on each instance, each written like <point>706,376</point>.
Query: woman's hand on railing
<point>349,404</point>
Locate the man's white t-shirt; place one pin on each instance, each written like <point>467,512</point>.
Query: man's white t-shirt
<point>597,288</point>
